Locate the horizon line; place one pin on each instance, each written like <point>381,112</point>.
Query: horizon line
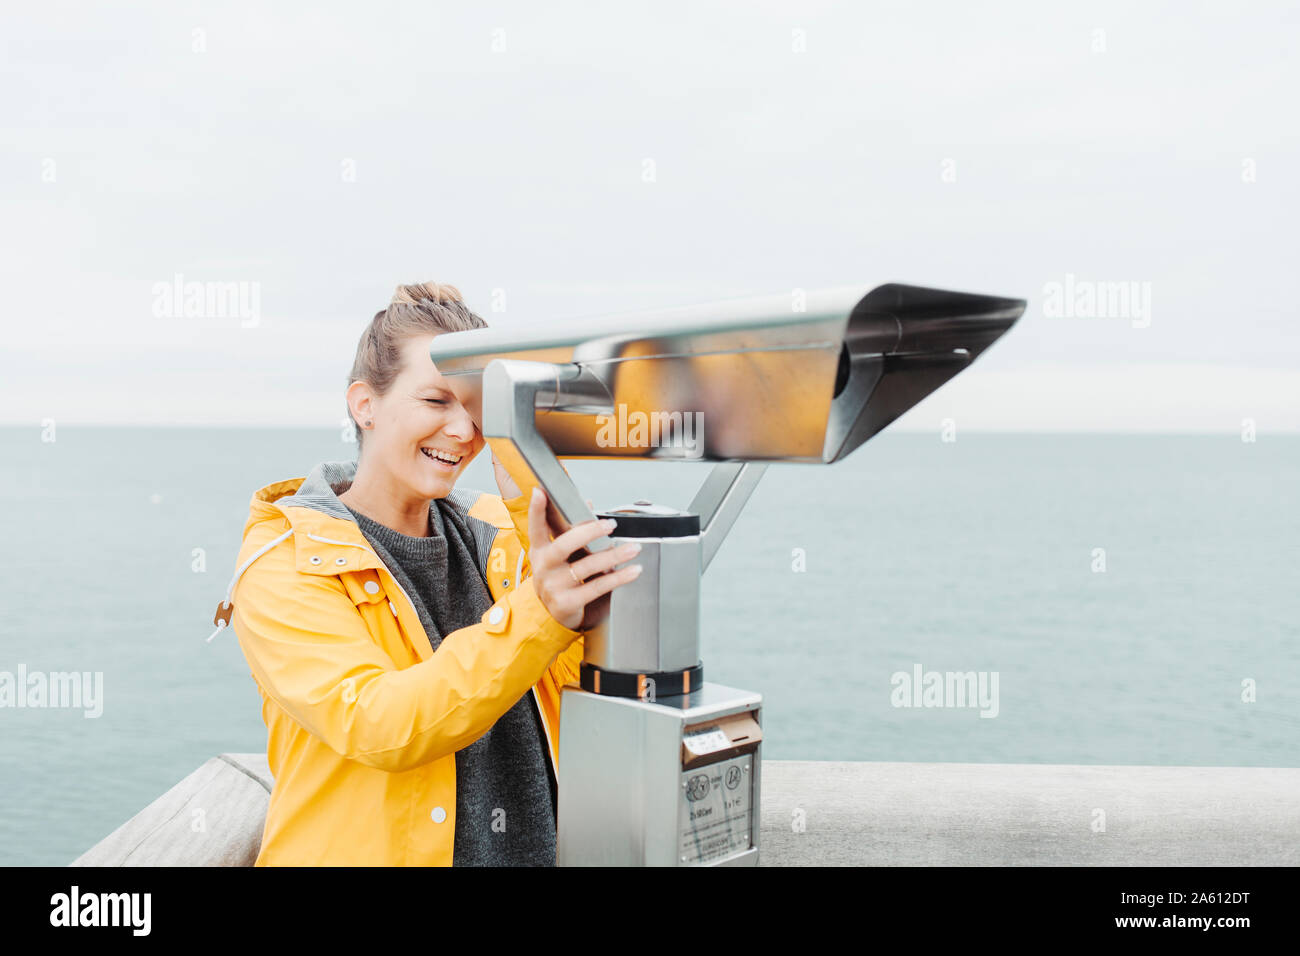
<point>220,426</point>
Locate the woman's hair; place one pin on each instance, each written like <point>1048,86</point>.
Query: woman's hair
<point>415,310</point>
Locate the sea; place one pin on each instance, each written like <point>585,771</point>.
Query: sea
<point>1104,599</point>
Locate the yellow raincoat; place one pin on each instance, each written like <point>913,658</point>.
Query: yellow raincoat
<point>363,718</point>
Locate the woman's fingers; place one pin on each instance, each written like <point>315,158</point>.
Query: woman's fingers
<point>580,535</point>
<point>560,549</point>
<point>539,534</point>
<point>606,583</point>
<point>560,584</point>
<point>605,560</point>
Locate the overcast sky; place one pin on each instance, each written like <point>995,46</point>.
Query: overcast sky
<point>586,158</point>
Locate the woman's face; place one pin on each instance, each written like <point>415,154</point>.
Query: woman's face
<point>423,413</point>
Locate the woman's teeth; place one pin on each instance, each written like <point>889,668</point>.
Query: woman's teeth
<point>441,458</point>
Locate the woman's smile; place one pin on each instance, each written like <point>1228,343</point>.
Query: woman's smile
<point>444,461</point>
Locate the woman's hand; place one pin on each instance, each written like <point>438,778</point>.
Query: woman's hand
<point>577,603</point>
<point>508,486</point>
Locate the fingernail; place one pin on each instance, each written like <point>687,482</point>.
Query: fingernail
<point>636,569</point>
<point>537,493</point>
<point>631,549</point>
<point>609,523</point>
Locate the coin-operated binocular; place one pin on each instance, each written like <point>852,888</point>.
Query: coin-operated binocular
<point>657,765</point>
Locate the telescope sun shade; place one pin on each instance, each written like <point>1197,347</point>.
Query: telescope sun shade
<point>772,378</point>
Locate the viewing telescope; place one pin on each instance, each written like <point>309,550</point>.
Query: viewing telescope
<point>657,766</point>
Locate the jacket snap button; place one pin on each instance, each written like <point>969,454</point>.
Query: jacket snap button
<point>372,587</point>
<point>314,559</point>
<point>340,561</point>
<point>438,815</point>
<point>495,615</point>
<point>505,583</point>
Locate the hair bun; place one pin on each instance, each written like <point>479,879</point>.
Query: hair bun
<point>437,292</point>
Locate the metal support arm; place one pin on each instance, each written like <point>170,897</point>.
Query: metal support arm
<point>720,501</point>
<point>513,390</point>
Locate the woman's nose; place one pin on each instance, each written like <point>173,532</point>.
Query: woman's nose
<point>462,426</point>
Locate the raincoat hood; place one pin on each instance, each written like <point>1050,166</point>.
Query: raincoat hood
<point>304,502</point>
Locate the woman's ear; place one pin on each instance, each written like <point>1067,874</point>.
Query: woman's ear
<point>360,398</point>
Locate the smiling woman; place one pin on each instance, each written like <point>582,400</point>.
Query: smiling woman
<point>395,625</point>
<point>423,435</point>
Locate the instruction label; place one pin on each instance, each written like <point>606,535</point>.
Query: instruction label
<point>715,812</point>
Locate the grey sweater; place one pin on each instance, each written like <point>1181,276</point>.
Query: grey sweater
<point>505,811</point>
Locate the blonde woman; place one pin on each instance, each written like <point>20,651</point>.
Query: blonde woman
<point>410,639</point>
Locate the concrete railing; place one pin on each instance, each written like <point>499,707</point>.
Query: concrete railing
<point>211,818</point>
<point>891,814</point>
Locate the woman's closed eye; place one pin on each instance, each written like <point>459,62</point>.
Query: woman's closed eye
<point>437,401</point>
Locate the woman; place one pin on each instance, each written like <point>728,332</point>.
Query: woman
<point>395,627</point>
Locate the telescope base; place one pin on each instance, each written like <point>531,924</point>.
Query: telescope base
<point>673,782</point>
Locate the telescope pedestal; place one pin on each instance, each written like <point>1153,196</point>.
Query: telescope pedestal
<point>668,782</point>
